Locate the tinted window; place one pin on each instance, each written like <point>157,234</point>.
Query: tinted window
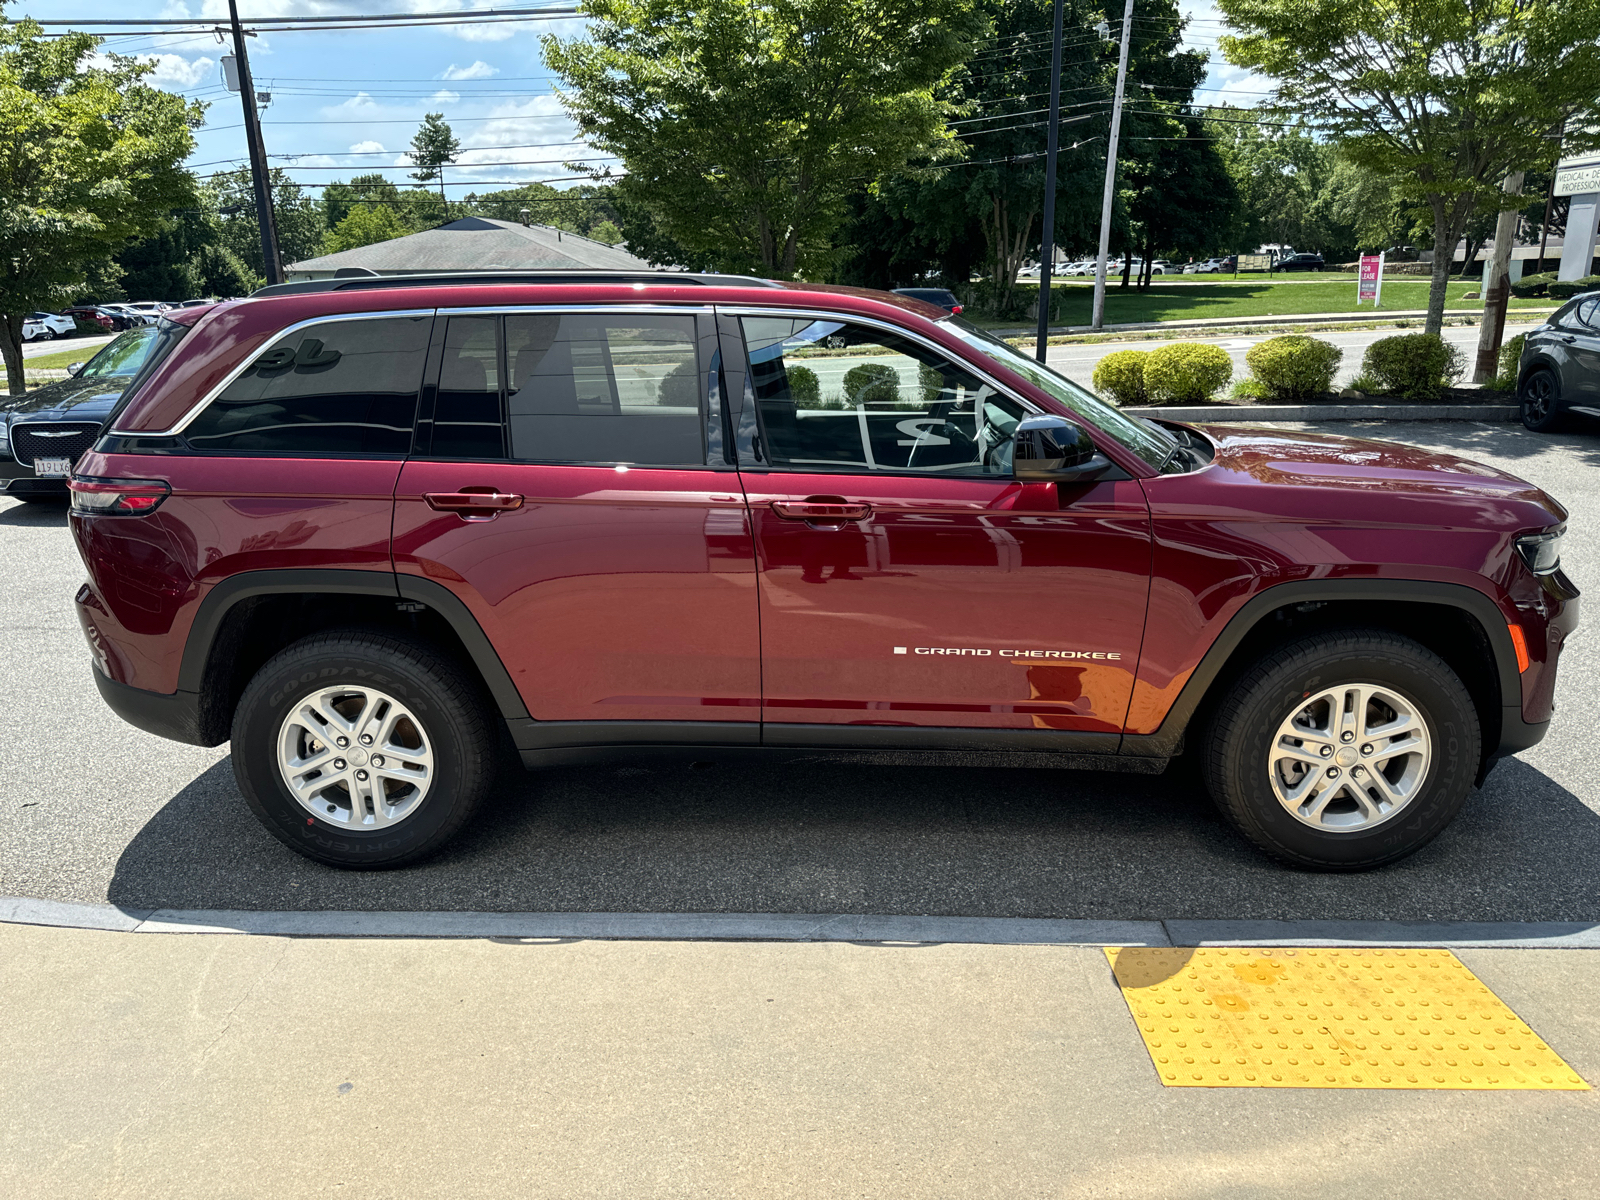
<point>466,421</point>
<point>838,396</point>
<point>604,388</point>
<point>1588,313</point>
<point>124,355</point>
<point>342,387</point>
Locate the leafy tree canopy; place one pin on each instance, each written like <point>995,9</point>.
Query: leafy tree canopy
<point>749,123</point>
<point>1440,97</point>
<point>91,160</point>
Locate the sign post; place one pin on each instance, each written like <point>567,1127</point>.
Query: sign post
<point>1370,285</point>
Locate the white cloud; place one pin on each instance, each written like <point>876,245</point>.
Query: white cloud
<point>478,70</point>
<point>367,148</point>
<point>444,97</point>
<point>175,71</point>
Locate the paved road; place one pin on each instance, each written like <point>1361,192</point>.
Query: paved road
<point>1077,362</point>
<point>91,809</point>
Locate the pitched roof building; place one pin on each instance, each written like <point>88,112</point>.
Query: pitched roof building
<point>474,244</point>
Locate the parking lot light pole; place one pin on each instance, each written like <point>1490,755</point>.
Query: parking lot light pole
<point>1111,172</point>
<point>258,153</point>
<point>1047,248</point>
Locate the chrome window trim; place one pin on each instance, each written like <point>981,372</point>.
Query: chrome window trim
<point>184,421</point>
<point>852,318</point>
<point>611,307</point>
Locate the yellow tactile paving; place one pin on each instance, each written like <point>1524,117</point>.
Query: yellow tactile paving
<point>1215,1017</point>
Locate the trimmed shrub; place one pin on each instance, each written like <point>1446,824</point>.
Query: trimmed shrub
<point>1294,367</point>
<point>872,383</point>
<point>1120,375</point>
<point>804,388</point>
<point>1567,289</point>
<point>680,387</point>
<point>82,328</point>
<point>1533,285</point>
<point>1187,372</point>
<point>932,384</point>
<point>1505,379</point>
<point>1413,366</point>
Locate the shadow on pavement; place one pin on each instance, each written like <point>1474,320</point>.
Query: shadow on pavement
<point>835,838</point>
<point>37,516</point>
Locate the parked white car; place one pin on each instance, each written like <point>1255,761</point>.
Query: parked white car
<point>150,308</point>
<point>42,326</point>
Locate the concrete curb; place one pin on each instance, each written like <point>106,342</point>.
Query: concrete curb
<point>1207,413</point>
<point>802,927</point>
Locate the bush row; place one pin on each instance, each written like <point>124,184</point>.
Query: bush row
<point>1546,284</point>
<point>1292,369</point>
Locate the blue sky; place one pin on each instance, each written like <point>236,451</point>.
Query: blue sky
<point>347,103</point>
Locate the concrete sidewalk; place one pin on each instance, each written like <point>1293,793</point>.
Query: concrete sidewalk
<point>166,1065</point>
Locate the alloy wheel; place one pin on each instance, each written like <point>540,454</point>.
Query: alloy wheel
<point>1350,757</point>
<point>355,757</point>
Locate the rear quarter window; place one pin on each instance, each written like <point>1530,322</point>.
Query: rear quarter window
<point>338,387</point>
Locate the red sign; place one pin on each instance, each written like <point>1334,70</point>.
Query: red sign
<point>1370,286</point>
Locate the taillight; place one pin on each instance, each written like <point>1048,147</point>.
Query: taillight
<point>93,496</point>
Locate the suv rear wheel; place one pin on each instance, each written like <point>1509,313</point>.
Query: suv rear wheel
<point>1343,751</point>
<point>362,749</point>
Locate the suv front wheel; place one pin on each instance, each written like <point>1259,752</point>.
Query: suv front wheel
<point>361,749</point>
<point>1343,751</point>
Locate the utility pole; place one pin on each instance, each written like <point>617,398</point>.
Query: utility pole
<point>258,153</point>
<point>1497,287</point>
<point>1111,171</point>
<point>1047,248</point>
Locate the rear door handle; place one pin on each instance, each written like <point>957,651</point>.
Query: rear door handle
<point>473,502</point>
<point>831,510</point>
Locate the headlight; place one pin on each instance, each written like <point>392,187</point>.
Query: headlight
<point>1542,551</point>
<point>5,436</point>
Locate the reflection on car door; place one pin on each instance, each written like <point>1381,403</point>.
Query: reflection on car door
<point>574,495</point>
<point>905,577</point>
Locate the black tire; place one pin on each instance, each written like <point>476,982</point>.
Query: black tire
<point>1241,732</point>
<point>1539,399</point>
<point>448,704</point>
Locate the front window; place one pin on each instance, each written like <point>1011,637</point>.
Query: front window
<point>1146,439</point>
<point>125,355</point>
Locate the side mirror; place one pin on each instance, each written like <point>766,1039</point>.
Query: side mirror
<point>74,368</point>
<point>1051,449</point>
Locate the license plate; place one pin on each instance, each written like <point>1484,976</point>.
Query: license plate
<point>52,467</point>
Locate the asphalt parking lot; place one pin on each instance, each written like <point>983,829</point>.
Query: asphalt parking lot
<point>94,810</point>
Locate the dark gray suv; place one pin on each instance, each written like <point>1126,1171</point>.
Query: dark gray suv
<point>1559,372</point>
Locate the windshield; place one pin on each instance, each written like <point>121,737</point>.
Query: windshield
<point>1145,438</point>
<point>124,355</point>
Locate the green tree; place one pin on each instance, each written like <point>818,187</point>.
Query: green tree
<point>338,198</point>
<point>1441,97</point>
<point>433,148</point>
<point>232,199</point>
<point>748,124</point>
<point>362,226</point>
<point>90,160</point>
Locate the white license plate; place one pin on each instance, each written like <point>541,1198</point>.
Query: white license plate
<point>52,467</point>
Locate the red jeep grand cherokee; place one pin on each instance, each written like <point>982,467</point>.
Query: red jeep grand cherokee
<point>379,531</point>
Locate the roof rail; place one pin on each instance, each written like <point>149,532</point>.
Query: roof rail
<point>549,278</point>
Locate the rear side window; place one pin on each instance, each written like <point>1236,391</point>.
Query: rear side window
<point>604,388</point>
<point>340,387</point>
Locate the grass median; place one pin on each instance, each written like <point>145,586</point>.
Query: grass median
<point>1220,301</point>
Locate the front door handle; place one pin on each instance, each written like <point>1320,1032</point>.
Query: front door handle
<point>473,504</point>
<point>829,511</point>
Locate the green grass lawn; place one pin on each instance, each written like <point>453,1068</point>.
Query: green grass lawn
<point>1253,299</point>
<point>60,360</point>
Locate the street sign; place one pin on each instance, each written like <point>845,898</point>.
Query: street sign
<point>1253,262</point>
<point>1369,284</point>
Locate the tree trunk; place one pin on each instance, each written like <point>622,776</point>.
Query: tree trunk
<point>1127,267</point>
<point>1449,219</point>
<point>11,348</point>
